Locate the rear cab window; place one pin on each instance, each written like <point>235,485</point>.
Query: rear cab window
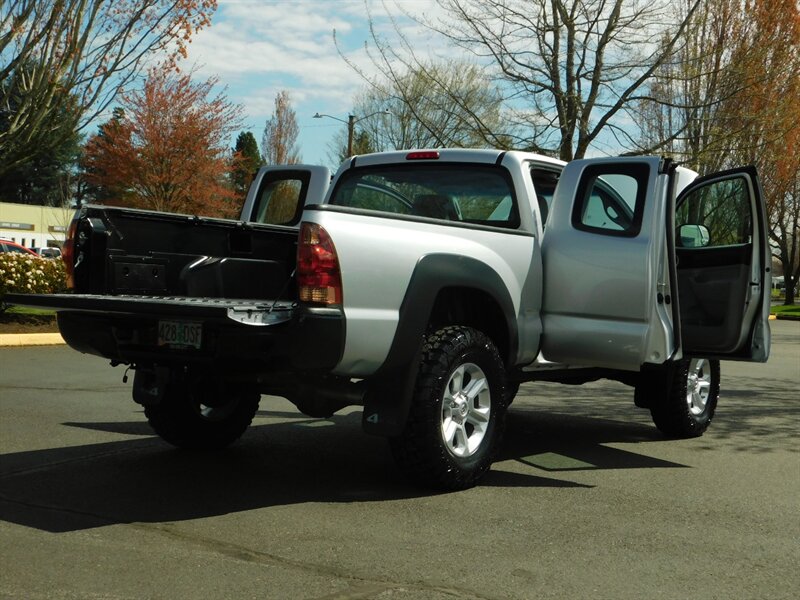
<point>468,193</point>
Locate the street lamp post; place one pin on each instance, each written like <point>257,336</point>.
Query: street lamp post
<point>351,125</point>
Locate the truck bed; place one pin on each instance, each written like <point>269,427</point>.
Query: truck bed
<point>128,252</point>
<point>154,287</point>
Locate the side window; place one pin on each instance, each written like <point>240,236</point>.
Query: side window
<point>279,200</point>
<point>544,184</point>
<point>610,199</point>
<point>716,214</point>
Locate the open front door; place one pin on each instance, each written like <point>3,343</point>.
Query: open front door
<point>723,267</point>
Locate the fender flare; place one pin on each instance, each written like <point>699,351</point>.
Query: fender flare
<point>390,388</point>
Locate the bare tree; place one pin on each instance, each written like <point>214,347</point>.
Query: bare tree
<point>767,59</point>
<point>569,68</point>
<point>731,94</point>
<point>67,59</point>
<point>279,142</point>
<point>684,111</point>
<point>433,104</point>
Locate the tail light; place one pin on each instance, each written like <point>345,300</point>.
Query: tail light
<point>319,280</point>
<point>68,253</point>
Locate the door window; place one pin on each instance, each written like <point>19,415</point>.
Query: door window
<point>610,199</point>
<point>717,214</point>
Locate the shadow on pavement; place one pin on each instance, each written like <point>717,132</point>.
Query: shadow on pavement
<point>145,480</point>
<point>559,442</point>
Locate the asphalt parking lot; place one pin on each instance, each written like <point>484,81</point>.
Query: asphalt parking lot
<point>586,501</point>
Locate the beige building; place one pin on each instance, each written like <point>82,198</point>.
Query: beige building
<point>34,226</point>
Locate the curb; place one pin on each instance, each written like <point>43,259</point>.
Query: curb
<point>30,339</point>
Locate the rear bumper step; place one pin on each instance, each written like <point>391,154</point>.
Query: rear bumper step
<point>250,336</point>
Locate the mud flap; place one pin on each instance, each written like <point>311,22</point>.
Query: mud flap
<point>149,385</point>
<point>388,400</point>
<point>651,385</point>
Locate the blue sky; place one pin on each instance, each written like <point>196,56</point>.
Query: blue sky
<point>259,47</point>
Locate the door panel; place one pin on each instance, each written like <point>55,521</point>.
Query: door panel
<point>602,250</point>
<point>711,301</point>
<point>723,278</point>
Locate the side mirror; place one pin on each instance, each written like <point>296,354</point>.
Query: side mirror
<point>693,236</point>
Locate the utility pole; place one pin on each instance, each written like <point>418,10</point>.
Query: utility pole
<point>351,125</point>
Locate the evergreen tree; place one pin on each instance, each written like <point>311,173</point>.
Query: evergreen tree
<point>45,178</point>
<point>246,160</point>
<point>362,144</point>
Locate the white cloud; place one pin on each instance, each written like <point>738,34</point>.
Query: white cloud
<point>257,48</point>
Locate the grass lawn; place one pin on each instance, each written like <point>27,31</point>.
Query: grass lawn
<point>792,310</point>
<point>25,311</point>
<point>21,319</point>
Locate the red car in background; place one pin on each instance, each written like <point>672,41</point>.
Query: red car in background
<point>9,246</point>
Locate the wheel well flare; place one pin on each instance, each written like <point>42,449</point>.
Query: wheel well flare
<point>473,308</point>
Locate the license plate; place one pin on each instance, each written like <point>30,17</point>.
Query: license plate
<point>180,334</point>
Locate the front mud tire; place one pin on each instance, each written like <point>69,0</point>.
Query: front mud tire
<point>457,415</point>
<point>685,405</point>
<point>207,418</point>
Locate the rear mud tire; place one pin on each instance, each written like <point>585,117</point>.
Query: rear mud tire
<point>512,389</point>
<point>685,405</point>
<point>191,419</point>
<point>457,415</point>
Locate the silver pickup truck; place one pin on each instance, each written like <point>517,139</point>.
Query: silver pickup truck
<point>426,286</point>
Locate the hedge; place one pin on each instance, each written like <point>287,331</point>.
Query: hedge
<point>28,274</point>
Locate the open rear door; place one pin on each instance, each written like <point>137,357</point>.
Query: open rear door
<point>723,267</point>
